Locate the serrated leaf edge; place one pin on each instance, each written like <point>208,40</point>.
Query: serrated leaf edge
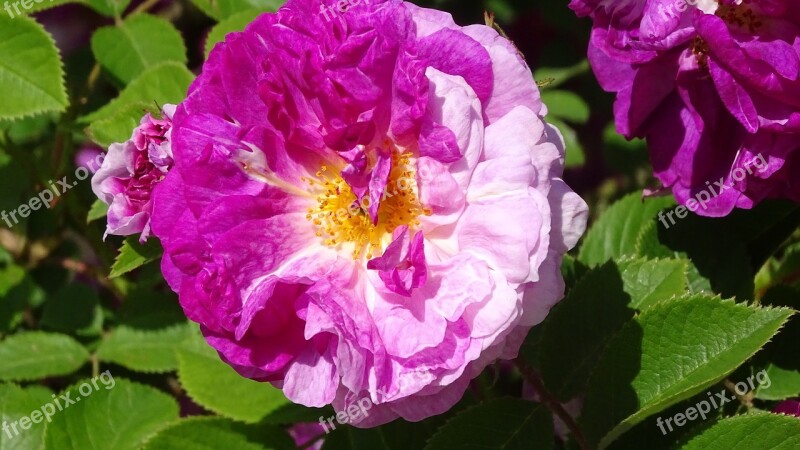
<point>63,84</point>
<point>616,432</point>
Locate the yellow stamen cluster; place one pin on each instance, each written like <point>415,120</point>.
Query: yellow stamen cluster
<point>340,220</point>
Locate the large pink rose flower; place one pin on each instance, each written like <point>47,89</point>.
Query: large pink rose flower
<point>365,206</point>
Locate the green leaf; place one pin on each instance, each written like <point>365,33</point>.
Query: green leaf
<point>785,271</point>
<point>201,373</point>
<point>14,183</point>
<point>783,384</point>
<point>119,127</point>
<point>30,69</point>
<point>111,8</point>
<point>750,432</point>
<point>98,210</point>
<point>5,258</point>
<point>16,403</point>
<point>779,357</point>
<point>505,423</point>
<point>42,6</point>
<point>224,9</point>
<point>163,83</point>
<point>649,430</point>
<point>13,282</point>
<point>572,270</point>
<point>667,354</point>
<point>34,355</point>
<point>651,281</point>
<point>121,415</point>
<point>212,433</point>
<point>615,233</point>
<point>236,22</point>
<point>566,105</point>
<point>134,254</point>
<point>74,309</point>
<point>151,351</point>
<point>597,307</point>
<point>140,42</point>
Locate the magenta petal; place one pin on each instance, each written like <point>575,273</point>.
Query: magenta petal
<point>788,407</point>
<point>735,98</point>
<point>345,138</point>
<point>455,53</point>
<point>377,184</point>
<point>439,143</point>
<point>356,174</point>
<point>402,266</point>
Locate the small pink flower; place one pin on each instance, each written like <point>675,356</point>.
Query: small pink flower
<point>131,170</point>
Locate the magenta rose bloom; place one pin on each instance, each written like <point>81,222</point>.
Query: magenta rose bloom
<point>714,86</point>
<point>365,207</point>
<point>129,173</point>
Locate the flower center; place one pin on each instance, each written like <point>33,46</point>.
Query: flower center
<point>741,16</point>
<point>145,176</point>
<point>341,219</point>
<point>700,49</point>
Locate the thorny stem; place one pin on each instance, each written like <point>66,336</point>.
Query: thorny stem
<point>175,387</point>
<point>746,400</point>
<point>95,365</point>
<point>552,403</point>
<point>91,80</point>
<point>144,7</point>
